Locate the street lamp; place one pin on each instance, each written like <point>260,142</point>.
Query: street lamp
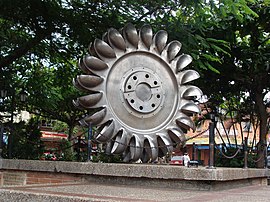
<point>3,93</point>
<point>23,95</point>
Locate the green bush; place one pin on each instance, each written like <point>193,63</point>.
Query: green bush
<point>106,158</point>
<point>25,141</point>
<point>66,151</point>
<point>237,161</point>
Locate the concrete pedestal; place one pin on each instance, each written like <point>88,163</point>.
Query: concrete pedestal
<point>150,175</point>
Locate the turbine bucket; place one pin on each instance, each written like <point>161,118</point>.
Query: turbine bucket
<point>94,63</point>
<point>91,50</point>
<point>188,76</point>
<point>183,61</point>
<point>177,136</point>
<point>103,49</point>
<point>108,148</point>
<point>96,118</point>
<point>78,86</point>
<point>190,92</point>
<point>116,40</point>
<point>85,69</point>
<point>105,132</point>
<point>164,144</point>
<point>88,101</point>
<point>127,156</point>
<point>189,108</point>
<point>131,36</point>
<point>146,154</point>
<point>153,148</point>
<point>135,147</point>
<point>88,81</point>
<point>120,143</point>
<point>146,35</point>
<point>160,40</point>
<point>173,49</point>
<point>185,122</point>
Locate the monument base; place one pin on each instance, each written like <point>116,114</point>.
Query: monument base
<point>24,172</point>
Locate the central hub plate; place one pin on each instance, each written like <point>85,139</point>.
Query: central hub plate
<point>142,91</point>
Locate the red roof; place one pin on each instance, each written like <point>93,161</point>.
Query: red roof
<point>51,134</point>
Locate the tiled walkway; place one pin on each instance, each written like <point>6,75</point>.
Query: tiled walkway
<point>102,192</point>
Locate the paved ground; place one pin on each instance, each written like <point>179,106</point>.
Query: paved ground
<point>101,192</point>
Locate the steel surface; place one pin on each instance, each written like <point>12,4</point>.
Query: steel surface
<point>138,83</point>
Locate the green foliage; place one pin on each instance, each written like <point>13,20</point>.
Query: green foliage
<point>237,161</point>
<point>63,127</point>
<point>66,153</point>
<point>26,143</point>
<point>60,126</point>
<point>102,157</point>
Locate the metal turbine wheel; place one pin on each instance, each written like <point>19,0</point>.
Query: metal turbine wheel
<point>138,85</point>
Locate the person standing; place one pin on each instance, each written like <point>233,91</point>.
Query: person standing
<point>186,159</point>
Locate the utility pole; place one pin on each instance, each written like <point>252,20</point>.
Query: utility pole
<point>212,126</point>
<point>1,139</point>
<point>89,146</point>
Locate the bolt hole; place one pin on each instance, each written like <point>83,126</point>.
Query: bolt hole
<point>134,77</point>
<point>158,95</point>
<point>155,82</point>
<point>146,75</point>
<point>153,105</point>
<point>129,86</point>
<point>132,101</point>
<point>141,107</point>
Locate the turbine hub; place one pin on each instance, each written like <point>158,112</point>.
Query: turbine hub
<point>142,90</point>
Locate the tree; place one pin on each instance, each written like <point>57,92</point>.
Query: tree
<point>249,65</point>
<point>232,40</point>
<point>41,42</point>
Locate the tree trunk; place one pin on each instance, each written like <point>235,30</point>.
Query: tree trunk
<point>70,132</point>
<point>262,116</point>
<point>70,136</point>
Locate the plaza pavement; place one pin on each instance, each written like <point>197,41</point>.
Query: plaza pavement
<point>109,192</point>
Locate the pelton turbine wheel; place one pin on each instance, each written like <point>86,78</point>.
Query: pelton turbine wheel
<point>138,85</point>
